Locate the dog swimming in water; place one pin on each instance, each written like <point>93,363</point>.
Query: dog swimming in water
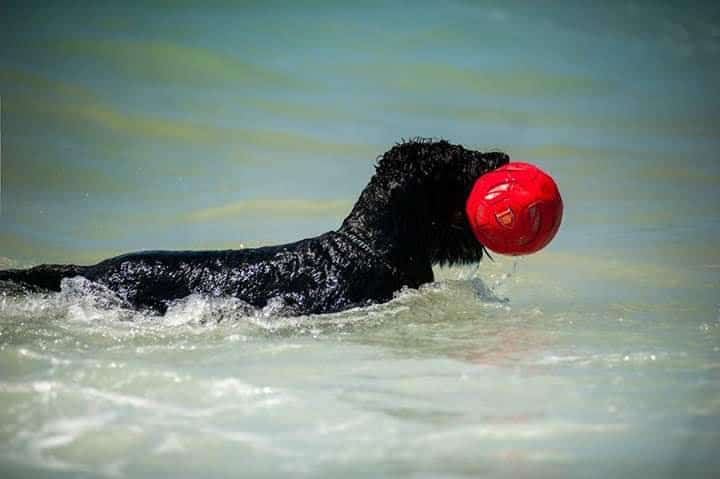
<point>410,216</point>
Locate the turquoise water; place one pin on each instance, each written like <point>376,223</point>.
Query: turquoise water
<point>219,125</point>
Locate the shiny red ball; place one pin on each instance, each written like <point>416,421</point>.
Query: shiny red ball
<point>515,209</point>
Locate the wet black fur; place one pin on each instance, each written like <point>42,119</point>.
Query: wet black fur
<point>410,216</point>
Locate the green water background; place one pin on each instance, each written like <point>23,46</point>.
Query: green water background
<point>160,125</point>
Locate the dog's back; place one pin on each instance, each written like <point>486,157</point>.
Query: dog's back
<point>323,274</point>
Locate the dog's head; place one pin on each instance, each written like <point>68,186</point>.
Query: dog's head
<point>429,183</point>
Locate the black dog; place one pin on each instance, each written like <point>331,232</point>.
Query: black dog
<point>410,216</point>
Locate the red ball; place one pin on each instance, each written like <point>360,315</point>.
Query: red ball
<point>515,209</point>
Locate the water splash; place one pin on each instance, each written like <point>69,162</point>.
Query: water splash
<point>82,301</point>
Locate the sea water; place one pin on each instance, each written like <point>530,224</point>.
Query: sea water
<point>512,374</point>
<point>223,125</point>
